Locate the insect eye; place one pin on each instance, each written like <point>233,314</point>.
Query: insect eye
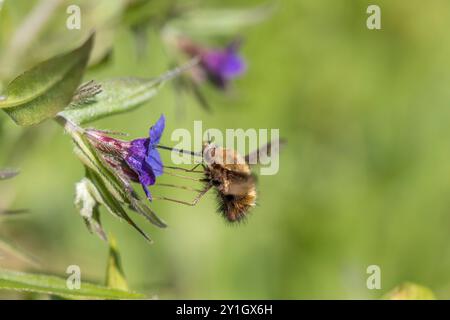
<point>216,183</point>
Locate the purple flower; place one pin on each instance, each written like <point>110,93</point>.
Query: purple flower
<point>143,157</point>
<point>222,65</point>
<point>218,65</point>
<point>138,160</point>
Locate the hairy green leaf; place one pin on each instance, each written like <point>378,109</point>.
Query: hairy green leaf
<point>44,90</point>
<point>115,276</point>
<point>12,280</point>
<point>116,96</point>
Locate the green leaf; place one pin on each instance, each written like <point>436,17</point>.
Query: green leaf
<point>52,285</point>
<point>44,90</point>
<point>213,22</point>
<point>113,201</point>
<point>410,291</point>
<point>115,277</point>
<point>117,96</point>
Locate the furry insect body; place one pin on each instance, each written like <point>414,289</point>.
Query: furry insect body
<point>231,177</point>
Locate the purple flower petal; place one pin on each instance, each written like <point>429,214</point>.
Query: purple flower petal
<point>144,172</point>
<point>233,65</point>
<point>157,130</point>
<point>147,178</point>
<point>223,65</point>
<point>136,161</point>
<point>154,161</point>
<point>153,158</point>
<point>143,158</point>
<point>142,168</point>
<point>138,147</point>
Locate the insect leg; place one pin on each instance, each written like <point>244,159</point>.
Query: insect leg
<point>185,170</point>
<point>193,203</point>
<point>184,177</point>
<point>179,187</point>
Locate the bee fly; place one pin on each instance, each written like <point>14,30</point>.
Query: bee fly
<point>229,174</point>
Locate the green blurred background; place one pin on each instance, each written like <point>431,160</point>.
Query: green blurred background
<point>364,179</point>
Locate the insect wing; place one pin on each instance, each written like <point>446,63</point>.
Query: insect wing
<point>264,153</point>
